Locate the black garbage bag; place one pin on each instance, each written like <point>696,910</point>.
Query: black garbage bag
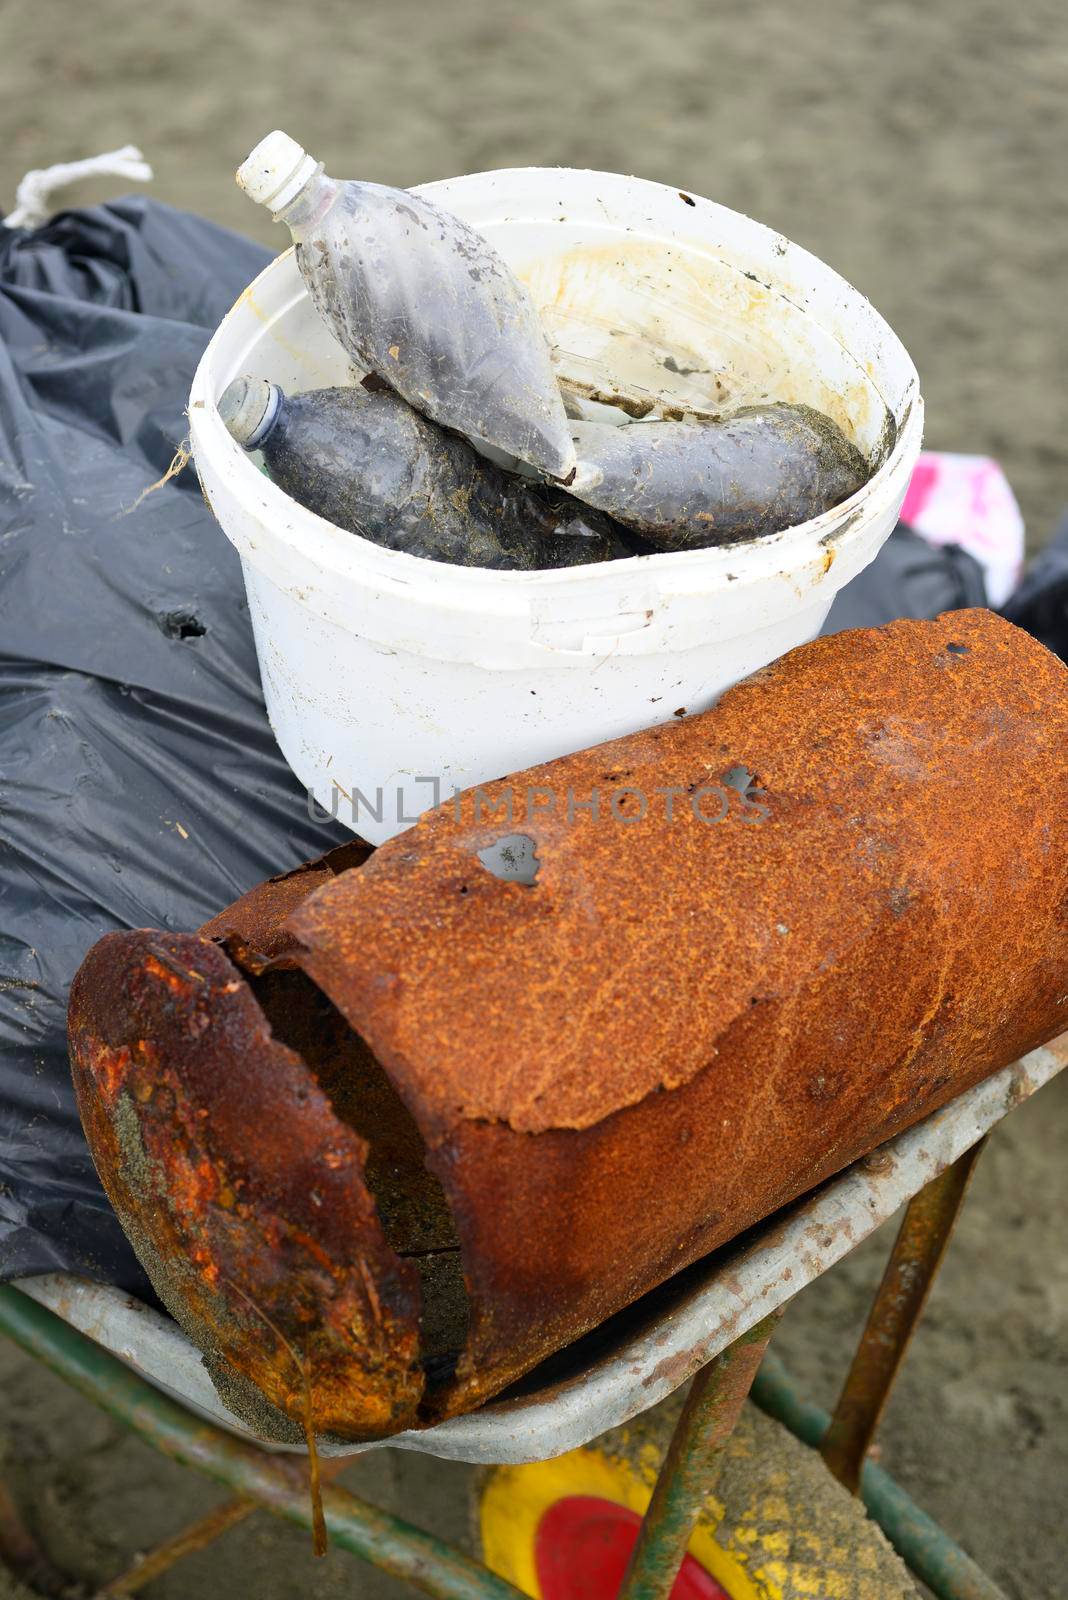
<point>1040,602</point>
<point>908,578</point>
<point>140,784</point>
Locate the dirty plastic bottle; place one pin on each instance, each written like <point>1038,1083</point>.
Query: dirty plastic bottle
<point>423,300</point>
<point>365,460</point>
<point>687,485</point>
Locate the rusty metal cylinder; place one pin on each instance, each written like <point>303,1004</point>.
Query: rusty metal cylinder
<point>398,1125</point>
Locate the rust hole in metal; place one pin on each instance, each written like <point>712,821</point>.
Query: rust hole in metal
<point>411,1204</point>
<point>957,649</point>
<point>742,781</point>
<point>513,859</point>
<point>688,198</point>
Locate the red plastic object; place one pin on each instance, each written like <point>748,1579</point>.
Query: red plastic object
<point>582,1547</point>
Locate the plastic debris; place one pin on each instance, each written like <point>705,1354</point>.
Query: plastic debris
<point>420,298</point>
<point>967,500</point>
<point>34,195</point>
<point>367,462</point>
<point>686,485</point>
<point>128,692</point>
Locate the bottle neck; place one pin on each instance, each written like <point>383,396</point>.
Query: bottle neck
<point>274,405</point>
<point>307,209</point>
<point>250,409</point>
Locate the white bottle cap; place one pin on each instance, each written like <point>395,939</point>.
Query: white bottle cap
<point>248,408</point>
<point>276,171</point>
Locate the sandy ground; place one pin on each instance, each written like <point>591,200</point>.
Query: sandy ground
<point>916,148</point>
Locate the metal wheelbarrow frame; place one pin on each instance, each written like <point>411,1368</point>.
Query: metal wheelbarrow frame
<point>712,1323</point>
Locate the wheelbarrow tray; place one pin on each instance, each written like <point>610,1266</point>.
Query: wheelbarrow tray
<point>638,1357</point>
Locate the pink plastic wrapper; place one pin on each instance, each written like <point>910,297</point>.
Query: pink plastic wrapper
<point>966,500</point>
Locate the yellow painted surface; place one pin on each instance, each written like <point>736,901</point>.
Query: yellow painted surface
<point>515,1499</point>
<point>778,1528</point>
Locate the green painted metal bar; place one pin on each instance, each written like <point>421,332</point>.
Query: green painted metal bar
<point>278,1483</point>
<point>928,1552</point>
<point>691,1466</point>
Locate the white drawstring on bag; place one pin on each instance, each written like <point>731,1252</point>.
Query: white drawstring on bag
<point>33,197</point>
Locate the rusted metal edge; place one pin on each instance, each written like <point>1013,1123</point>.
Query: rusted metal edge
<point>741,1288</point>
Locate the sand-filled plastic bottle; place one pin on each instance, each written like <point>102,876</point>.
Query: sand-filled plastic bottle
<point>422,299</point>
<point>688,485</point>
<point>367,462</point>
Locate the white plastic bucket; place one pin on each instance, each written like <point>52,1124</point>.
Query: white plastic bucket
<point>390,681</point>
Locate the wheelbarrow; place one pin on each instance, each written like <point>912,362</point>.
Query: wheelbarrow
<point>587,1498</point>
